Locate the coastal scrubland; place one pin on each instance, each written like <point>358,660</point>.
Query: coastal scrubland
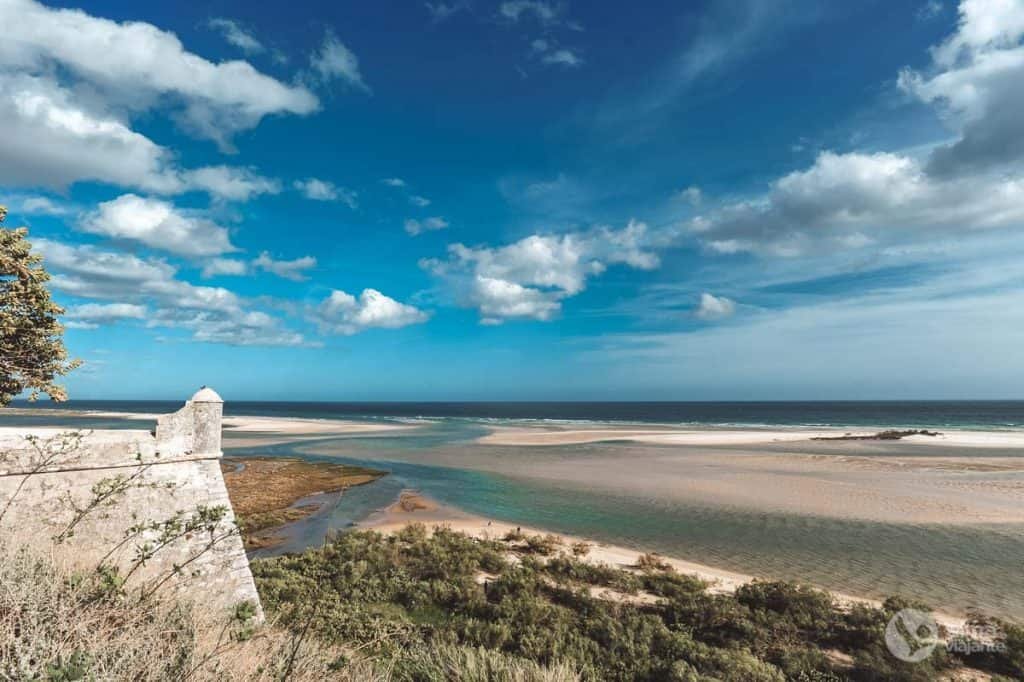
<point>416,606</point>
<point>529,598</point>
<point>64,622</point>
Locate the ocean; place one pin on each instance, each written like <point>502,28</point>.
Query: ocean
<point>963,414</point>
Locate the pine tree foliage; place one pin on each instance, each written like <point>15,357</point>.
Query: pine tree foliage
<point>32,352</point>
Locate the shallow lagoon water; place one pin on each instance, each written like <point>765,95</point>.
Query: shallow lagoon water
<point>955,568</point>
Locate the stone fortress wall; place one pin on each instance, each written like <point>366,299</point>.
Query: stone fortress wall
<point>132,494</point>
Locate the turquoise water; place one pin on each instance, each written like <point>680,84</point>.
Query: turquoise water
<point>954,568</point>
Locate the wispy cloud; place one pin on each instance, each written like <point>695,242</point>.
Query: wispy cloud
<point>888,343</point>
<point>333,61</point>
<point>294,270</point>
<point>415,227</point>
<point>442,11</point>
<point>93,315</point>
<point>235,35</point>
<point>324,190</point>
<point>729,33</point>
<point>691,195</point>
<point>562,57</point>
<point>209,314</point>
<point>219,267</point>
<point>34,204</point>
<point>544,12</point>
<point>929,10</point>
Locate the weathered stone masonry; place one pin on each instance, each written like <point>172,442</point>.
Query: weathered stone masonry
<point>50,477</point>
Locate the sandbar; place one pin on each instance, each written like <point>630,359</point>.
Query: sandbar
<point>547,435</point>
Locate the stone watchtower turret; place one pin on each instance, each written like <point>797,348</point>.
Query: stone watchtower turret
<point>170,473</point>
<point>194,429</point>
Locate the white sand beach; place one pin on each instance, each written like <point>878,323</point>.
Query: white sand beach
<point>297,426</point>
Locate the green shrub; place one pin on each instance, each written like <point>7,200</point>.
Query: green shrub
<point>396,597</point>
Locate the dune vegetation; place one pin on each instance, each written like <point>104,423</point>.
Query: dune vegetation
<point>63,624</point>
<point>421,606</point>
<point>528,599</point>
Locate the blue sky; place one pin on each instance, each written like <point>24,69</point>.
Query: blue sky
<point>525,199</point>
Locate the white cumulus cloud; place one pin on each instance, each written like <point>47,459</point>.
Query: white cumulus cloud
<point>51,140</point>
<point>231,183</point>
<point>976,78</point>
<point>342,313</point>
<point>713,307</point>
<point>210,314</point>
<point>93,315</point>
<point>157,224</point>
<point>529,278</point>
<point>224,267</point>
<point>135,64</point>
<point>286,269</point>
<point>843,199</point>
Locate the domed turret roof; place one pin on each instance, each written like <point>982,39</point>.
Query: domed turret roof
<point>206,395</point>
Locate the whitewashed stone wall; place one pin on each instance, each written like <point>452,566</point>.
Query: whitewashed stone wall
<point>48,478</point>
